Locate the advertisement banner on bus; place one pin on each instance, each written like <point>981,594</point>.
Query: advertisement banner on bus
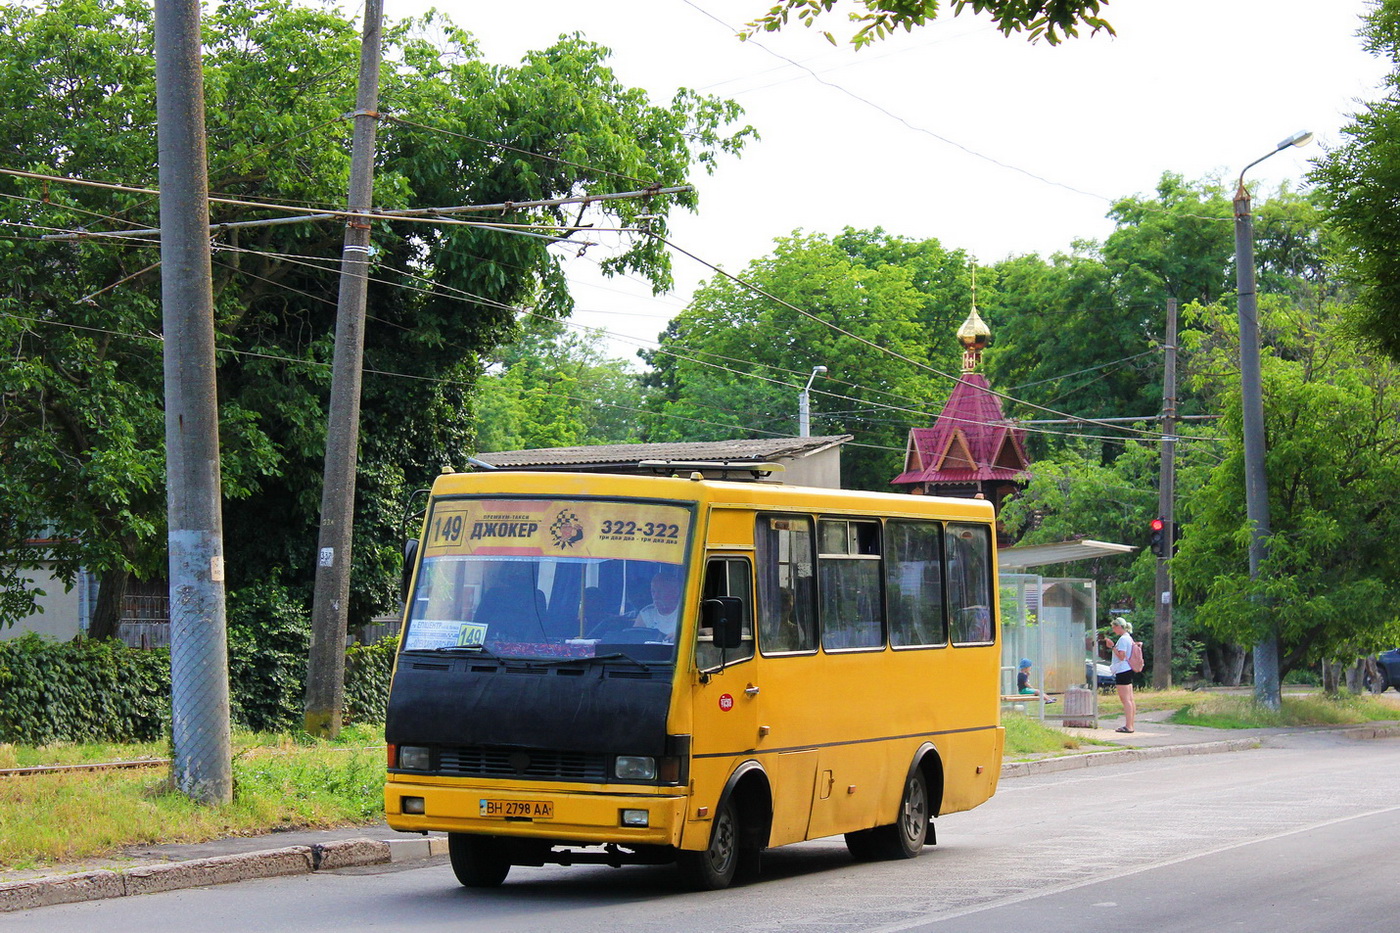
<point>558,528</point>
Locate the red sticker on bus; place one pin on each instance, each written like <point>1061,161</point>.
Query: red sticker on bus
<point>726,702</point>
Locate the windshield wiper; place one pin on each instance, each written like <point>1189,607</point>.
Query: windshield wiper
<point>619,656</point>
<point>481,650</point>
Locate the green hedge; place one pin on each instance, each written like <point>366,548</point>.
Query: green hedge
<point>103,691</point>
<point>82,691</point>
<point>269,634</point>
<point>367,672</point>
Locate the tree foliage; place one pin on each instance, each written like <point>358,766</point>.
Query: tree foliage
<point>1052,20</point>
<point>1081,332</point>
<point>1331,581</point>
<point>556,388</point>
<point>1360,184</point>
<point>734,362</point>
<point>80,320</point>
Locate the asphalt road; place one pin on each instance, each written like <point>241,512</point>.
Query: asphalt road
<point>1297,836</point>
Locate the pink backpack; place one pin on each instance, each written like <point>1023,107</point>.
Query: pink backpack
<point>1135,657</point>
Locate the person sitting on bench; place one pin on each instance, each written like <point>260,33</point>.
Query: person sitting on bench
<point>1023,682</point>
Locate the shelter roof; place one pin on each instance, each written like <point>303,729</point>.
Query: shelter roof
<point>1011,559</point>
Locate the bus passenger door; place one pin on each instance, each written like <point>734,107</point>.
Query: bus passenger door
<point>726,694</point>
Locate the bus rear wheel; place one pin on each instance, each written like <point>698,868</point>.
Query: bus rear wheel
<point>478,861</point>
<point>713,868</point>
<point>904,838</point>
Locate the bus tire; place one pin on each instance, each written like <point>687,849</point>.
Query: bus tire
<point>904,838</point>
<point>712,869</point>
<point>860,846</point>
<point>478,861</point>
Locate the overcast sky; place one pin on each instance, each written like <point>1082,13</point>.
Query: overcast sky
<point>954,132</point>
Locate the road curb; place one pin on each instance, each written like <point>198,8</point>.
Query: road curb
<point>1120,756</point>
<point>1384,730</point>
<point>1387,730</point>
<point>222,869</point>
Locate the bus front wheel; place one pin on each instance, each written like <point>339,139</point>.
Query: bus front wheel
<point>713,868</point>
<point>478,861</point>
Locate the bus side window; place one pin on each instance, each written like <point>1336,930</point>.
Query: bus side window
<point>969,549</point>
<point>726,576</point>
<point>848,573</point>
<point>787,617</point>
<point>914,583</point>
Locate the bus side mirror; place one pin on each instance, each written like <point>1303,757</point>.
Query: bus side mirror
<point>410,553</point>
<point>724,616</point>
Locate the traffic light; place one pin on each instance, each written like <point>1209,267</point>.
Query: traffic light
<point>1158,537</point>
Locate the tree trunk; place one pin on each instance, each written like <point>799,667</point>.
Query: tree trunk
<point>1356,676</point>
<point>111,596</point>
<point>1231,669</point>
<point>1331,678</point>
<point>1372,675</point>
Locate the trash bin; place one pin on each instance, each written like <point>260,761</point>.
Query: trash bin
<point>1080,711</point>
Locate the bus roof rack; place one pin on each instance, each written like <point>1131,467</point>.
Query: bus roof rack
<point>751,469</point>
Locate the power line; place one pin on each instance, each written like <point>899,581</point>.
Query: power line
<point>870,343</point>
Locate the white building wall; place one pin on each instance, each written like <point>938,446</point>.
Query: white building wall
<point>66,612</point>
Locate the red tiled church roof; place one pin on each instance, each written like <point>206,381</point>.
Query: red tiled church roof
<point>970,441</point>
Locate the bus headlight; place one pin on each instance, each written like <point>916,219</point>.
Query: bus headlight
<point>634,768</point>
<point>635,818</point>
<point>414,758</point>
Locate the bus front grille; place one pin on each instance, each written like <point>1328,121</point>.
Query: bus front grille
<point>541,764</point>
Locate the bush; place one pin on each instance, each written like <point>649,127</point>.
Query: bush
<point>368,669</point>
<point>269,632</point>
<point>103,691</point>
<point>82,691</point>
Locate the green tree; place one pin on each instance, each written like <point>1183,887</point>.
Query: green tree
<point>81,423</point>
<point>1359,182</point>
<point>1052,20</point>
<point>733,362</point>
<point>1081,332</point>
<point>556,388</point>
<point>1331,581</point>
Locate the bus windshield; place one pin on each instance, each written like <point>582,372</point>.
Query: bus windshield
<point>548,579</point>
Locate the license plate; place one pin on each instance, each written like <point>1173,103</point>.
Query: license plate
<point>518,809</point>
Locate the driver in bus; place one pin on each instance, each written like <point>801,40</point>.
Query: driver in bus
<point>665,604</point>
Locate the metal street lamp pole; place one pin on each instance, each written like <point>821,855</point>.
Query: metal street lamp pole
<point>1256,489</point>
<point>804,404</point>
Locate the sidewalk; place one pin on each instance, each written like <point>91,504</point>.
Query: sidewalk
<point>149,869</point>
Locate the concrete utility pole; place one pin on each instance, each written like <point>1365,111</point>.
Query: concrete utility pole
<point>203,762</point>
<point>1256,488</point>
<point>1166,508</point>
<point>325,677</point>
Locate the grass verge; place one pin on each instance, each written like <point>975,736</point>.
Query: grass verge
<point>1230,711</point>
<point>280,782</point>
<point>1028,736</point>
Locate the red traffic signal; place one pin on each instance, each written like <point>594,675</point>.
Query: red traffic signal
<point>1157,540</point>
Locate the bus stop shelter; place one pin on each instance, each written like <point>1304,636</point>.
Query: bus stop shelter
<point>1051,621</point>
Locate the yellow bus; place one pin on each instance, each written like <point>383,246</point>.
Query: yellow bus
<point>617,669</point>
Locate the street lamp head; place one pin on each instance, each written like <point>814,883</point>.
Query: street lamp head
<point>818,369</point>
<point>1300,138</point>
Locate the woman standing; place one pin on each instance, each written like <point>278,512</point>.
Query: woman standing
<point>1123,671</point>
